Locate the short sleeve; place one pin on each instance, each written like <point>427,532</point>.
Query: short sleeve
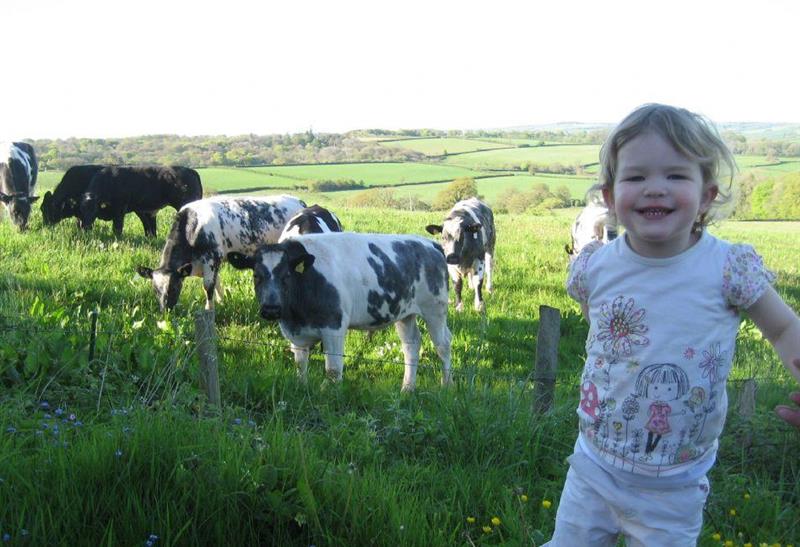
<point>744,277</point>
<point>576,279</point>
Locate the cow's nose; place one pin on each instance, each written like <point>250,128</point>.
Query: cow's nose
<point>452,259</point>
<point>270,312</point>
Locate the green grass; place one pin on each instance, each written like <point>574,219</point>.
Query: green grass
<point>440,146</point>
<point>354,463</point>
<point>567,155</point>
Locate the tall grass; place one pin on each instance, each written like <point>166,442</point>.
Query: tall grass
<point>123,448</point>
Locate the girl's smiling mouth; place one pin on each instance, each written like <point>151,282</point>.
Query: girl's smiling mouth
<point>654,212</point>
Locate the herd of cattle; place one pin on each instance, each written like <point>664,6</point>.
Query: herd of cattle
<point>314,279</point>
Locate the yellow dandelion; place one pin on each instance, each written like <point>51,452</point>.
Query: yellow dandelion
<point>486,529</point>
<point>495,521</point>
<point>732,512</point>
<point>523,498</point>
<point>716,537</point>
<point>471,520</point>
<point>729,543</point>
<point>748,545</point>
<point>746,496</point>
<point>546,504</point>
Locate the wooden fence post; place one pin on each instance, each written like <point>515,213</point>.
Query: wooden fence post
<point>544,374</point>
<point>206,340</point>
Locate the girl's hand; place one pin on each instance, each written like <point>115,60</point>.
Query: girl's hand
<point>788,414</point>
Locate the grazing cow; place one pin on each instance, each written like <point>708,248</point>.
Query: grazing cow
<point>320,285</point>
<point>468,238</point>
<point>115,191</point>
<point>311,220</point>
<point>18,172</point>
<point>594,223</point>
<point>65,200</point>
<point>205,231</point>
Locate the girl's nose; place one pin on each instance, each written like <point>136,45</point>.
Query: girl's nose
<point>655,188</point>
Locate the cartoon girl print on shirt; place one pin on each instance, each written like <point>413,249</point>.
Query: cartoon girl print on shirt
<point>660,383</point>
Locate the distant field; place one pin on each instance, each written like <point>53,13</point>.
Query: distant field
<point>490,188</point>
<point>498,159</point>
<point>440,146</point>
<point>371,174</point>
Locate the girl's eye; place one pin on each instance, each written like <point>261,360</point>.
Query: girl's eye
<point>677,177</point>
<point>636,178</point>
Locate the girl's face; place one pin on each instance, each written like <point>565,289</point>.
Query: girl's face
<point>658,194</point>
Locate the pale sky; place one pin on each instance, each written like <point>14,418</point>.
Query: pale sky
<point>116,68</point>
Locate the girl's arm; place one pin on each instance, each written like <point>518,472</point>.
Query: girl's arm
<point>780,325</point>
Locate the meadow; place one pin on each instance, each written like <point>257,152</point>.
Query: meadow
<point>122,448</point>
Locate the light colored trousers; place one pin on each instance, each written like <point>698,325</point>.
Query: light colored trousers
<point>596,508</point>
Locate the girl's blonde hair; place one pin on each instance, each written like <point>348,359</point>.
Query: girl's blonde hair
<point>690,134</point>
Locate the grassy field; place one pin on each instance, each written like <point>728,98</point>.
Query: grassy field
<point>567,155</point>
<point>442,146</point>
<point>114,450</point>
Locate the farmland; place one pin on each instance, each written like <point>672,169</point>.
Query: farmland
<point>128,437</point>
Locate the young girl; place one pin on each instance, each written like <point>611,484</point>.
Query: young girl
<point>663,304</point>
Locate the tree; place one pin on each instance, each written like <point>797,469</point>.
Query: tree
<point>460,188</point>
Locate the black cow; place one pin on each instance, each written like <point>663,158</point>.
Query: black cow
<point>468,239</point>
<point>65,200</point>
<point>115,191</point>
<point>312,220</point>
<point>18,172</point>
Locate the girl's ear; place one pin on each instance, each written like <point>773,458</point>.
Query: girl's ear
<point>608,197</point>
<point>710,192</point>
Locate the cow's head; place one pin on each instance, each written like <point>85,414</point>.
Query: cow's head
<point>167,283</point>
<point>19,208</point>
<point>462,239</point>
<point>278,272</point>
<point>87,210</point>
<point>54,212</point>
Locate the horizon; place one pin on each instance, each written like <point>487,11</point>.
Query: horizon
<point>190,69</point>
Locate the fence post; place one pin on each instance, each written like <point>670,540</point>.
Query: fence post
<point>544,374</point>
<point>206,340</point>
<point>93,335</point>
<point>747,398</point>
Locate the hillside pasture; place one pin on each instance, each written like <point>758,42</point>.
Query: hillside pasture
<point>441,146</point>
<point>568,155</point>
<point>354,463</point>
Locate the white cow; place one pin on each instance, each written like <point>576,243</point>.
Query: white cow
<point>317,286</point>
<point>594,223</point>
<point>206,230</point>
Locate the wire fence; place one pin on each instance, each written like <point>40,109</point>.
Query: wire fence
<point>467,370</point>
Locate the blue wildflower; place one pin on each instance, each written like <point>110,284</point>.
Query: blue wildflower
<point>47,416</point>
<point>45,405</point>
<point>59,411</point>
<point>118,452</point>
<point>6,537</point>
<point>11,429</point>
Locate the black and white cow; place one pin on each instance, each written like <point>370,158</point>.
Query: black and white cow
<point>206,230</point>
<point>320,285</point>
<point>65,200</point>
<point>18,172</point>
<point>594,223</point>
<point>115,191</point>
<point>311,220</point>
<point>468,238</point>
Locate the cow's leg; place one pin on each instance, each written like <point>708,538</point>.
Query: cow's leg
<point>148,222</point>
<point>210,277</point>
<point>411,340</point>
<point>476,277</point>
<point>218,289</point>
<point>457,286</point>
<point>301,362</point>
<point>435,317</point>
<point>333,346</point>
<point>118,223</point>
<point>489,261</point>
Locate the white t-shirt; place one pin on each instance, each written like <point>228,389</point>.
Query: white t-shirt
<point>660,347</point>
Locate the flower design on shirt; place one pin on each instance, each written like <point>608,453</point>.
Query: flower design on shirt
<point>712,360</point>
<point>688,354</point>
<point>621,326</point>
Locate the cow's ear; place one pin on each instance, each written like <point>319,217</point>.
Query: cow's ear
<point>474,228</point>
<point>434,229</point>
<point>145,272</point>
<point>240,261</point>
<point>5,198</point>
<point>301,263</point>
<point>32,199</point>
<point>184,270</point>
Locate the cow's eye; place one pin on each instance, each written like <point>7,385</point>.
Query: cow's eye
<point>256,277</point>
